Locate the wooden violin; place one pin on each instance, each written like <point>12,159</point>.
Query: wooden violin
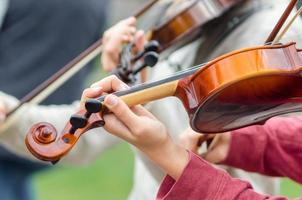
<point>238,89</point>
<point>172,31</point>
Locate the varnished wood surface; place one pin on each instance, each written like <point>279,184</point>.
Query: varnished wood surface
<point>184,26</point>
<point>54,150</point>
<point>239,84</point>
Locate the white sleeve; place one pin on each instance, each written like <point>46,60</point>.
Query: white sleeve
<point>89,147</point>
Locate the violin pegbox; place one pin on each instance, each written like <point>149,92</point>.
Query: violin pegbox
<point>131,64</point>
<point>44,142</point>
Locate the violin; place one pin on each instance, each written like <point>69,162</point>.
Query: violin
<point>238,89</point>
<point>170,33</point>
<point>225,94</point>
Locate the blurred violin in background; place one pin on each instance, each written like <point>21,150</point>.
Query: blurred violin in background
<point>180,22</point>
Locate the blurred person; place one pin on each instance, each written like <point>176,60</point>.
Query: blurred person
<point>36,39</point>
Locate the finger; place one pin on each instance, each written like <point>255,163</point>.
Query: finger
<point>116,127</point>
<point>140,40</point>
<point>131,21</point>
<point>122,111</point>
<point>130,31</point>
<point>189,140</point>
<point>204,138</point>
<point>111,83</point>
<point>141,111</point>
<point>212,156</point>
<point>127,38</point>
<point>92,92</point>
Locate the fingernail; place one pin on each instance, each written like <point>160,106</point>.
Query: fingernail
<point>111,100</point>
<point>123,87</point>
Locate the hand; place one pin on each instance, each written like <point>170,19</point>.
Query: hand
<point>218,149</point>
<point>191,140</point>
<point>140,128</point>
<point>114,38</point>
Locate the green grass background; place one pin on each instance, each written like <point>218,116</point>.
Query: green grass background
<point>110,178</point>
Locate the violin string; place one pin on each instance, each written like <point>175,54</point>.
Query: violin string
<point>287,27</point>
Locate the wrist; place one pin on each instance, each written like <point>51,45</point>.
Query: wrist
<point>171,157</point>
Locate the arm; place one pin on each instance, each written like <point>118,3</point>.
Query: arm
<point>200,180</point>
<point>274,149</point>
<point>190,177</point>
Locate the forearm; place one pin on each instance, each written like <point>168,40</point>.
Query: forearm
<point>265,149</point>
<point>200,180</point>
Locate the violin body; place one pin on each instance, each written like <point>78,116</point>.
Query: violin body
<point>184,25</point>
<point>243,88</point>
<point>174,30</point>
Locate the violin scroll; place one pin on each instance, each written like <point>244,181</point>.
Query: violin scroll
<point>44,142</point>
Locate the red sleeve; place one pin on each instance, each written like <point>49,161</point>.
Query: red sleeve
<point>273,149</point>
<point>200,180</point>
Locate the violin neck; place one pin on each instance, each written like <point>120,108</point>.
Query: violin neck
<point>148,92</point>
<point>151,94</point>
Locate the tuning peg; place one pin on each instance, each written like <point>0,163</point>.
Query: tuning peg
<point>150,59</point>
<point>77,121</point>
<point>92,106</point>
<point>152,46</point>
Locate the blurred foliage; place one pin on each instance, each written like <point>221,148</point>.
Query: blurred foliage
<point>108,178</point>
<point>290,189</point>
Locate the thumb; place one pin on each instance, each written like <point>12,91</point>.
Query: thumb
<point>121,111</point>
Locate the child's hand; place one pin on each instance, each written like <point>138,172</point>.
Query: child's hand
<point>139,127</point>
<point>217,151</point>
<point>114,38</point>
